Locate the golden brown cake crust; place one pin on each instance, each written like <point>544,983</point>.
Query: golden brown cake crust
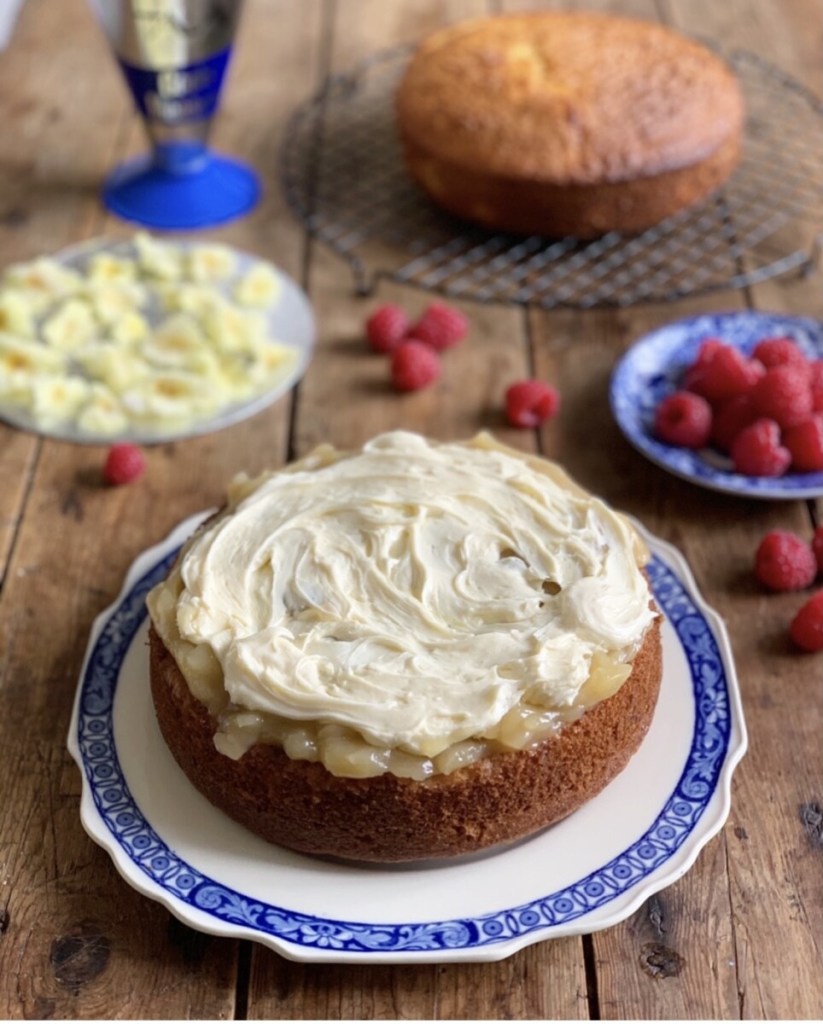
<point>567,122</point>
<point>500,799</point>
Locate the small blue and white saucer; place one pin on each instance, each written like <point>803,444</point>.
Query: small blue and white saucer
<point>653,368</point>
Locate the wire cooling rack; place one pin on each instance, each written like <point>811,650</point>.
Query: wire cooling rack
<point>344,178</point>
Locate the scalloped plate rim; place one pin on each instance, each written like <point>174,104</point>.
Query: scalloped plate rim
<point>673,868</point>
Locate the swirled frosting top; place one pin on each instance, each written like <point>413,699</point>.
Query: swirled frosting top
<point>412,591</point>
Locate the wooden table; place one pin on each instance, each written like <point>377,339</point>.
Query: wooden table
<point>739,936</point>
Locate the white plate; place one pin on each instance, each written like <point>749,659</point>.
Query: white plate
<point>653,367</point>
<point>588,872</point>
<point>290,322</point>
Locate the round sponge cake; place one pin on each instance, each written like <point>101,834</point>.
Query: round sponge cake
<point>497,800</point>
<point>567,123</point>
<point>415,651</point>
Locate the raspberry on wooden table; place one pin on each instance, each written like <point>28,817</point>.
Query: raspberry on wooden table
<point>757,451</point>
<point>683,419</point>
<point>807,626</point>
<point>530,403</point>
<point>783,394</point>
<point>784,561</point>
<point>414,365</point>
<point>440,326</point>
<point>124,463</point>
<point>805,442</point>
<point>386,328</point>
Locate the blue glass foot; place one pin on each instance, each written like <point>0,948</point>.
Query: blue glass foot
<point>158,194</point>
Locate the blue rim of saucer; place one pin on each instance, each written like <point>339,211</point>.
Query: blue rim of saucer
<point>653,367</point>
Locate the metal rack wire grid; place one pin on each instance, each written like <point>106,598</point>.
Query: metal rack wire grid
<point>344,178</point>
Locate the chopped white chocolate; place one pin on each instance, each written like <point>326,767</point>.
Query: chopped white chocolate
<point>158,259</point>
<point>17,313</point>
<point>107,269</point>
<point>211,263</point>
<point>55,398</point>
<point>258,288</point>
<point>154,335</point>
<point>70,326</point>
<point>102,414</point>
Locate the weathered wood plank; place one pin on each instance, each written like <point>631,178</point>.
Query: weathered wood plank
<point>65,905</point>
<point>50,161</point>
<point>705,955</point>
<point>347,398</point>
<point>75,941</point>
<point>774,858</point>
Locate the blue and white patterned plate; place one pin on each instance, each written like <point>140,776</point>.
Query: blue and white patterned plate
<point>586,873</point>
<point>653,367</point>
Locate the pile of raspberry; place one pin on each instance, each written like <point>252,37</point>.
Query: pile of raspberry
<point>416,347</point>
<point>765,411</point>
<point>785,561</point>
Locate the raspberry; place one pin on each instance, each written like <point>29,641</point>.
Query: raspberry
<point>816,384</point>
<point>783,394</point>
<point>684,419</point>
<point>779,352</point>
<point>440,326</point>
<point>709,348</point>
<point>805,442</point>
<point>530,403</point>
<point>757,451</point>
<point>807,626</point>
<point>730,418</point>
<point>124,463</point>
<point>784,561</point>
<point>817,547</point>
<point>386,328</point>
<point>721,374</point>
<point>414,366</point>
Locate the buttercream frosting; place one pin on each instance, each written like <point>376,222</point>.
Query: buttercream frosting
<point>413,592</point>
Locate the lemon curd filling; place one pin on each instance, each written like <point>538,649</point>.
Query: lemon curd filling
<point>411,607</point>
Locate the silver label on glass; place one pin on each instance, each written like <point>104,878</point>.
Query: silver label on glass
<point>164,35</point>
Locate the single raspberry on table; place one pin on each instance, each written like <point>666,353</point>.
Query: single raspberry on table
<point>805,442</point>
<point>386,327</point>
<point>414,365</point>
<point>807,626</point>
<point>730,417</point>
<point>784,561</point>
<point>783,394</point>
<point>440,326</point>
<point>779,352</point>
<point>683,419</point>
<point>530,403</point>
<point>722,373</point>
<point>817,547</point>
<point>757,451</point>
<point>124,463</point>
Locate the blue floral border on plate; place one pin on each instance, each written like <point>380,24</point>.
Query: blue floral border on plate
<point>147,851</point>
<point>653,367</point>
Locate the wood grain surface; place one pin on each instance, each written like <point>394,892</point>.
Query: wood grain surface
<point>741,934</point>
